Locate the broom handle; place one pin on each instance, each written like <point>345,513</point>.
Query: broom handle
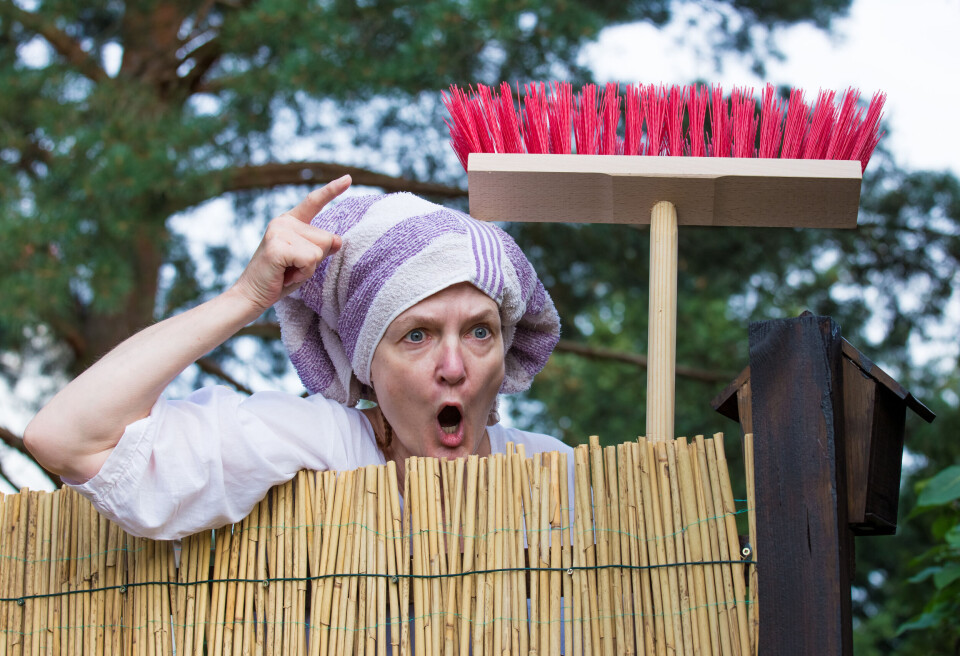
<point>662,324</point>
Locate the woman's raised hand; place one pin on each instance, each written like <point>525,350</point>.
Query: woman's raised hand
<point>74,434</point>
<point>291,250</point>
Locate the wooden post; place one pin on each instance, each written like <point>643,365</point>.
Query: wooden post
<point>802,532</point>
<point>662,324</point>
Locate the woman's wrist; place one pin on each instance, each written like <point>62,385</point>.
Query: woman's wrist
<point>238,308</point>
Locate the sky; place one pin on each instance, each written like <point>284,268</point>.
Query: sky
<point>911,51</point>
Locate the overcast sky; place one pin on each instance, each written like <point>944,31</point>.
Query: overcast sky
<point>910,50</point>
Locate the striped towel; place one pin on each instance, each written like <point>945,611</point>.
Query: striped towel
<point>397,250</point>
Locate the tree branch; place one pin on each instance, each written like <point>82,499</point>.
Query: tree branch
<point>208,53</point>
<point>262,329</point>
<point>266,176</point>
<point>6,479</point>
<point>596,353</point>
<point>62,43</point>
<point>210,367</point>
<point>215,86</point>
<point>266,330</point>
<point>15,442</point>
<point>204,57</point>
<point>200,18</point>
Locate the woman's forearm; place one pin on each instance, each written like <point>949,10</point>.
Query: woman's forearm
<point>77,429</point>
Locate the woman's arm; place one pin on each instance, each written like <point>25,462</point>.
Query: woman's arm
<point>75,432</point>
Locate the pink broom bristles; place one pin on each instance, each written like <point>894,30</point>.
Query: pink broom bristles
<point>771,123</point>
<point>855,129</point>
<point>675,137</point>
<point>535,119</point>
<point>870,133</point>
<point>697,112</point>
<point>848,120</point>
<point>821,122</point>
<point>744,122</point>
<point>475,107</point>
<point>463,133</point>
<point>654,101</point>
<point>720,138</point>
<point>548,120</point>
<point>795,125</point>
<point>509,121</point>
<point>561,118</point>
<point>491,114</point>
<point>633,127</point>
<point>609,120</point>
<point>585,120</point>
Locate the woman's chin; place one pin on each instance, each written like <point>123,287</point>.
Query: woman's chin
<point>459,443</point>
<point>452,438</point>
<point>439,443</point>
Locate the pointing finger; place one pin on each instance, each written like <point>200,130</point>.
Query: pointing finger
<point>318,198</point>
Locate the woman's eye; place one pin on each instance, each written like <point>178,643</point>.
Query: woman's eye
<point>481,332</point>
<point>416,335</point>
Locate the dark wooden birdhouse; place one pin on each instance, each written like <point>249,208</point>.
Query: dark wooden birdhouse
<point>874,415</point>
<point>828,433</point>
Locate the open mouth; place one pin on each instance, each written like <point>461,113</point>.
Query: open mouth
<point>449,418</point>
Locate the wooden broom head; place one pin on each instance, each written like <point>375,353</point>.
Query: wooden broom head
<point>708,191</point>
<point>719,161</point>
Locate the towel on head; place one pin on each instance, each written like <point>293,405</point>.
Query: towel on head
<point>397,250</point>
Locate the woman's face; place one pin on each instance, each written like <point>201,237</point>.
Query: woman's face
<point>437,372</point>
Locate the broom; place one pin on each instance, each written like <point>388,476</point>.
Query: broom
<point>687,155</point>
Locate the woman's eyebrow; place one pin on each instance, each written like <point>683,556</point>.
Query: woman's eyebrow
<point>484,315</point>
<point>418,319</point>
<point>413,320</point>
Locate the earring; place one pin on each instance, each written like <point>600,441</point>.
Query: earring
<point>494,416</point>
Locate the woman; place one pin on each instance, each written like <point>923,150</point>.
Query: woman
<point>421,309</point>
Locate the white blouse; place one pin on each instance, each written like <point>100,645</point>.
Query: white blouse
<point>205,461</point>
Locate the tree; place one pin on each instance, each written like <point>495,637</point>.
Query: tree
<point>118,116</point>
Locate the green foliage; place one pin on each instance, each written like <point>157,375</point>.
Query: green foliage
<point>940,490</point>
<point>940,495</point>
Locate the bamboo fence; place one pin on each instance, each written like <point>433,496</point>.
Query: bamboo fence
<point>495,555</point>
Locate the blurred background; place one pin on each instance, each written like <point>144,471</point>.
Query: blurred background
<point>144,146</point>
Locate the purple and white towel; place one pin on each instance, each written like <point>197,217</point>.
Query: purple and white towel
<point>397,250</point>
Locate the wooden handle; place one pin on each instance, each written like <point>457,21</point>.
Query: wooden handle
<point>662,324</point>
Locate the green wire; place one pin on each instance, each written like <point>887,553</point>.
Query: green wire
<point>375,575</point>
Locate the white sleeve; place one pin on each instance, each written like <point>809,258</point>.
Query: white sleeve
<point>205,461</point>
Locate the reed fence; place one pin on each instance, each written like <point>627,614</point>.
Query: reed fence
<point>484,556</point>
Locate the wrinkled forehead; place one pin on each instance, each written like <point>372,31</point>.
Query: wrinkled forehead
<point>461,302</point>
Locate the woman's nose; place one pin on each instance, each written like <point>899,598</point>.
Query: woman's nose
<point>451,368</point>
